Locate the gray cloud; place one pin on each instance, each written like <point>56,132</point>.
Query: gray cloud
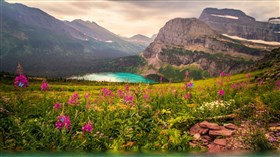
<point>129,17</point>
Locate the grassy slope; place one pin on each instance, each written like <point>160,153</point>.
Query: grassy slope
<point>158,123</point>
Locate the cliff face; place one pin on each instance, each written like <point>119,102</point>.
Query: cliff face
<point>184,42</point>
<point>237,23</point>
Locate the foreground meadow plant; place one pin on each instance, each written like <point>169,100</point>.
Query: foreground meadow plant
<point>45,85</point>
<point>63,122</point>
<point>20,79</point>
<point>74,99</point>
<point>87,128</point>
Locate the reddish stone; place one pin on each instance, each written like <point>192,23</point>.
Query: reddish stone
<point>213,148</point>
<point>196,129</point>
<point>221,142</point>
<point>212,126</point>
<point>230,126</point>
<point>192,144</point>
<point>223,132</point>
<point>208,138</point>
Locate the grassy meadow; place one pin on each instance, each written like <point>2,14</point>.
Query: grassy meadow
<point>89,116</point>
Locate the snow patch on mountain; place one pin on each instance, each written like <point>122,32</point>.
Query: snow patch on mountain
<point>226,16</point>
<point>254,41</point>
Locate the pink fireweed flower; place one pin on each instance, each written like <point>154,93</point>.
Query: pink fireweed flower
<point>248,75</point>
<point>261,82</point>
<point>228,75</point>
<point>56,106</point>
<point>277,84</point>
<point>146,96</point>
<point>221,92</point>
<point>21,81</point>
<point>87,95</point>
<point>45,86</point>
<point>63,122</point>
<point>188,96</point>
<point>233,86</point>
<point>74,99</point>
<point>129,99</point>
<point>190,85</point>
<point>222,74</point>
<point>106,92</point>
<point>121,93</point>
<point>127,88</point>
<point>160,79</point>
<point>87,128</point>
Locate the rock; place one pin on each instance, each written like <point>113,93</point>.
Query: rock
<point>221,142</point>
<point>274,128</point>
<point>197,129</point>
<point>212,126</point>
<point>223,132</point>
<point>196,136</point>
<point>193,144</point>
<point>230,126</point>
<point>208,138</point>
<point>214,148</point>
<point>274,124</point>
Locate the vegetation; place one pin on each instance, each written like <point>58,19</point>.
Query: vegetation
<point>98,116</point>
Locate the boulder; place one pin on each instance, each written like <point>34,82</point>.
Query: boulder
<point>212,126</point>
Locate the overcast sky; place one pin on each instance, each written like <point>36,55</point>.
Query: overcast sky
<point>130,17</point>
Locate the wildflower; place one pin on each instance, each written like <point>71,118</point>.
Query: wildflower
<point>272,139</point>
<point>160,79</point>
<point>121,93</point>
<point>63,121</point>
<point>57,105</point>
<point>248,75</point>
<point>21,81</point>
<point>188,96</point>
<point>233,86</point>
<point>87,128</point>
<point>44,86</point>
<point>261,82</point>
<point>146,96</point>
<point>229,75</point>
<point>277,84</point>
<point>106,92</point>
<point>87,95</point>
<point>127,88</point>
<point>128,98</point>
<point>190,84</point>
<point>74,99</point>
<point>221,92</point>
<point>222,74</point>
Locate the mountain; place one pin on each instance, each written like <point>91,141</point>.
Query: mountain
<point>47,46</point>
<point>236,23</point>
<point>190,44</point>
<point>141,39</point>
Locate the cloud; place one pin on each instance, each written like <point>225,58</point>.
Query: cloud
<point>130,17</point>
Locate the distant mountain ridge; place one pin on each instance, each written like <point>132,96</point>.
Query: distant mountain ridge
<point>29,33</point>
<point>237,23</point>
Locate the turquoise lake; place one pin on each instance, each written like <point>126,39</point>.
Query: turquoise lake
<point>114,77</point>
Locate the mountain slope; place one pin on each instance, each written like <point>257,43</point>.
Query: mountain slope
<point>34,38</point>
<point>140,39</point>
<point>187,43</point>
<point>236,23</point>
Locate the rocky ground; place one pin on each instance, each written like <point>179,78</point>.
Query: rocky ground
<point>230,137</point>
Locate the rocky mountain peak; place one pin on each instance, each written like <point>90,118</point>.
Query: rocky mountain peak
<point>229,14</point>
<point>179,30</point>
<point>236,23</point>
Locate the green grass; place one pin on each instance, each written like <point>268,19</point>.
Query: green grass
<point>157,118</point>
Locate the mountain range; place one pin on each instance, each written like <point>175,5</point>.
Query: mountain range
<point>219,40</point>
<point>36,39</point>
